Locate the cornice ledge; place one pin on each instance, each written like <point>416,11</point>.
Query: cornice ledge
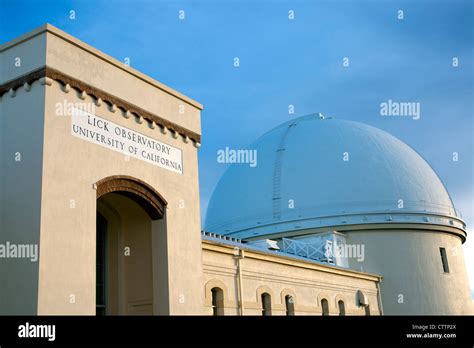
<point>71,82</point>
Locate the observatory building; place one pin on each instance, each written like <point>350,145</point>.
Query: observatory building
<point>321,179</point>
<point>100,207</point>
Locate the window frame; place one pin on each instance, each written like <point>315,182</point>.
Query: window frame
<point>217,301</point>
<point>444,260</point>
<point>266,304</point>
<point>290,305</point>
<point>342,308</point>
<point>324,307</point>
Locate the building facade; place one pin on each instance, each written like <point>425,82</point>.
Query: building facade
<point>69,179</point>
<point>99,171</point>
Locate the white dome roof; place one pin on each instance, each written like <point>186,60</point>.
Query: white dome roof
<point>301,181</point>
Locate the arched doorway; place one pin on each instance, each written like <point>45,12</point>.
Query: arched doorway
<point>126,209</point>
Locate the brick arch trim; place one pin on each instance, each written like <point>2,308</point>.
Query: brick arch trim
<point>137,190</point>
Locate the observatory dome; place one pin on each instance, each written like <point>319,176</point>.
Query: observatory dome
<point>315,173</point>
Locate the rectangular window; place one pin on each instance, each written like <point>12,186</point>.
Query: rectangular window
<point>444,260</point>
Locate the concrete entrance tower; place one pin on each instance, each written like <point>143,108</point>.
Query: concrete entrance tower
<point>77,128</point>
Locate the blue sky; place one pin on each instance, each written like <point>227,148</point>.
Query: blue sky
<point>296,62</point>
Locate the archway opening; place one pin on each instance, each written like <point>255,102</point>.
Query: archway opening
<point>126,209</point>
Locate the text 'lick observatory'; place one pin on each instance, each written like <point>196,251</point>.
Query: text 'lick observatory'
<point>334,217</point>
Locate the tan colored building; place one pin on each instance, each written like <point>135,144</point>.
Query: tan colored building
<point>293,286</point>
<point>99,171</point>
<point>65,179</point>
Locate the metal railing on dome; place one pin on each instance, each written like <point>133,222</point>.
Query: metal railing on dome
<point>319,251</point>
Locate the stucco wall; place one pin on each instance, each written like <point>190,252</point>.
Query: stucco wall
<point>28,54</point>
<point>410,262</point>
<point>307,282</point>
<point>21,138</point>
